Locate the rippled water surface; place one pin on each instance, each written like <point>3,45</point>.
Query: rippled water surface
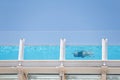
<point>52,52</point>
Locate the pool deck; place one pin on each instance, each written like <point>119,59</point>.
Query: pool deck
<point>53,66</point>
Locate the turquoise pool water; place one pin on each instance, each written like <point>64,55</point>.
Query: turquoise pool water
<point>52,52</point>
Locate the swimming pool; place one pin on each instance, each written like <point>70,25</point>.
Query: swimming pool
<point>52,52</point>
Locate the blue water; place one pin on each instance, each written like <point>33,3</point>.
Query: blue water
<point>52,52</point>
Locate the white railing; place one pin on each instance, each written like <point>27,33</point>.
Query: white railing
<point>104,48</point>
<point>62,49</point>
<point>21,49</point>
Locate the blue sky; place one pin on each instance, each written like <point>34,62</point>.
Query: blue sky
<point>94,17</point>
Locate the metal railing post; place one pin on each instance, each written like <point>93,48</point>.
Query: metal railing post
<point>62,58</point>
<point>62,49</point>
<point>21,73</point>
<point>104,49</point>
<point>104,58</point>
<point>21,49</point>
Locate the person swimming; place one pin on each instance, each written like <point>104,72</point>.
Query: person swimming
<point>82,54</point>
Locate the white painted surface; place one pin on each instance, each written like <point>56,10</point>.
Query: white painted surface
<point>104,49</point>
<point>21,49</point>
<point>62,49</point>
